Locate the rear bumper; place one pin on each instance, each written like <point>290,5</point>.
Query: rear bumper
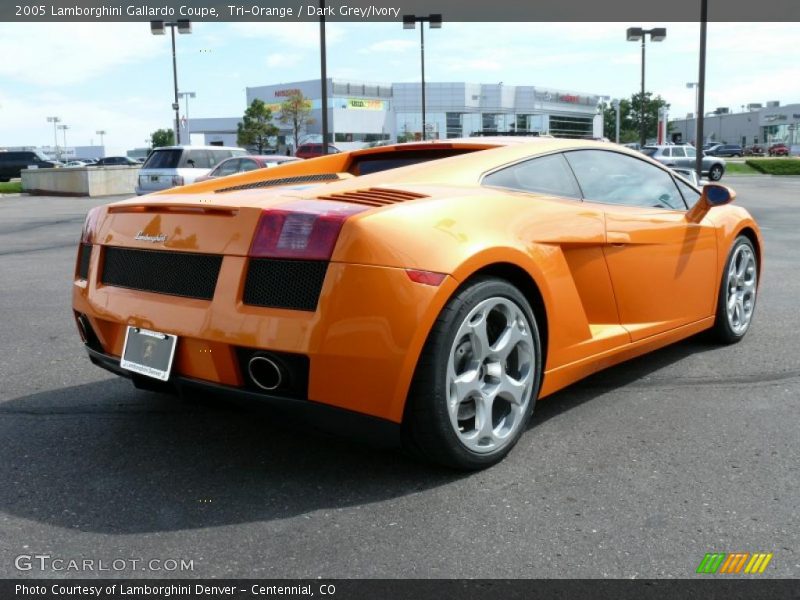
<point>375,431</point>
<point>361,343</point>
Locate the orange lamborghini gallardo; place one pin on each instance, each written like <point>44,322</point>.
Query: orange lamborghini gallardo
<point>432,291</point>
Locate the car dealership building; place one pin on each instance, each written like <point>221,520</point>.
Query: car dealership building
<point>756,124</point>
<point>361,113</point>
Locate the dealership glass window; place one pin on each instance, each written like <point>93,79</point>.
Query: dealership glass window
<point>528,122</point>
<point>342,136</point>
<point>614,178</point>
<point>572,127</point>
<point>548,175</point>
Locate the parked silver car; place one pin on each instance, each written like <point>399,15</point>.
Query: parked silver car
<point>171,166</point>
<point>685,157</point>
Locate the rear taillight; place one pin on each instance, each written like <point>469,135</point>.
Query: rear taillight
<point>304,229</point>
<point>90,226</point>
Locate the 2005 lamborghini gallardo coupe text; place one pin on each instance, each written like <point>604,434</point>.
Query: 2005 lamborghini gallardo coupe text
<point>431,290</point>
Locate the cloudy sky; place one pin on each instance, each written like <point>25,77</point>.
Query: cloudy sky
<point>118,77</point>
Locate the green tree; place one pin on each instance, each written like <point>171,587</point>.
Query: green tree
<point>162,137</point>
<point>296,112</point>
<point>256,126</point>
<point>630,117</point>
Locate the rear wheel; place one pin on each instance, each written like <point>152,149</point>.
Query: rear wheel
<point>715,173</point>
<point>477,379</point>
<point>737,293</point>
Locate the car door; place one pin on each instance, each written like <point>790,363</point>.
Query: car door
<point>663,268</point>
<point>582,280</point>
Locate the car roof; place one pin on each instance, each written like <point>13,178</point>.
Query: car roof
<point>190,147</point>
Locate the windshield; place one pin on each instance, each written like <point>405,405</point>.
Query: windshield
<point>649,151</point>
<point>163,159</point>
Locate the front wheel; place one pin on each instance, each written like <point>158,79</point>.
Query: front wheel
<point>477,378</point>
<point>715,173</point>
<point>736,302</point>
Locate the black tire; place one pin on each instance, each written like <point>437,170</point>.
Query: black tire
<point>428,432</point>
<point>723,331</point>
<point>715,172</point>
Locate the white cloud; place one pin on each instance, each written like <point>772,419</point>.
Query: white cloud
<point>290,35</point>
<point>280,60</point>
<point>60,54</point>
<point>393,46</point>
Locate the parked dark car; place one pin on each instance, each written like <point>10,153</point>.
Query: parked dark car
<point>779,149</point>
<point>234,165</point>
<point>12,163</point>
<point>116,161</point>
<point>754,150</point>
<point>314,150</point>
<point>726,150</point>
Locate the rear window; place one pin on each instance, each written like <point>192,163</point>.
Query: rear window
<point>163,159</point>
<point>373,163</point>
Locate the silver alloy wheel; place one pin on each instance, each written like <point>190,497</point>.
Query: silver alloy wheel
<point>741,285</point>
<point>490,375</point>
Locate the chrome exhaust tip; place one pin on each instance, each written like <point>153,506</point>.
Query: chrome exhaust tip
<point>265,373</point>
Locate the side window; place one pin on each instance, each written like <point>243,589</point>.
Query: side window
<point>690,195</point>
<point>691,153</point>
<point>666,152</point>
<point>547,175</point>
<point>615,178</point>
<point>198,159</point>
<point>248,165</point>
<point>678,152</point>
<point>217,156</point>
<point>230,167</point>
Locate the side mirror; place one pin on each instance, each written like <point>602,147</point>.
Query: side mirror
<point>713,195</point>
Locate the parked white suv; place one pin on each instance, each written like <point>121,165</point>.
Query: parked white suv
<point>170,166</point>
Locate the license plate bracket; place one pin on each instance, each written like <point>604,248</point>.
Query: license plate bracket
<point>148,353</point>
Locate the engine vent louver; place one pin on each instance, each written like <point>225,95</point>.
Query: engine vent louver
<point>281,181</point>
<point>374,196</point>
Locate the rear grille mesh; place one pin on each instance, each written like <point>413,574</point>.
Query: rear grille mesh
<point>374,196</point>
<point>281,181</point>
<point>172,273</point>
<point>293,284</point>
<point>84,256</point>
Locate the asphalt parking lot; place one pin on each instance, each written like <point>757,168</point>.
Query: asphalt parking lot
<point>635,472</point>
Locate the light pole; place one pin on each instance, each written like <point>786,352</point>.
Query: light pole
<point>634,34</point>
<point>701,88</point>
<point>696,86</point>
<point>55,121</point>
<point>101,133</point>
<point>63,129</point>
<point>434,22</point>
<point>615,104</point>
<point>186,96</point>
<point>323,77</point>
<point>184,26</point>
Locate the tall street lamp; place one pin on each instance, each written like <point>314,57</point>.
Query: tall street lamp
<point>186,96</point>
<point>696,86</point>
<point>55,121</point>
<point>635,34</point>
<point>184,26</point>
<point>323,77</point>
<point>615,104</point>
<point>63,129</point>
<point>434,22</point>
<point>101,133</point>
